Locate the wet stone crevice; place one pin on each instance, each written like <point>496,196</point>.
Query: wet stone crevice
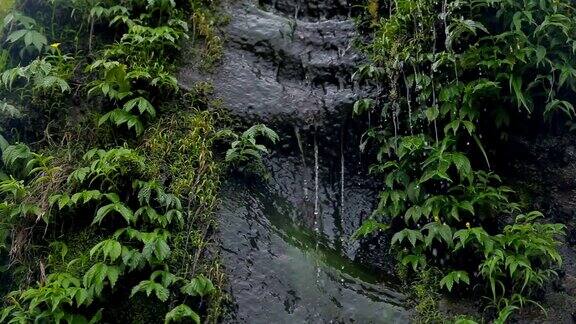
<point>286,241</point>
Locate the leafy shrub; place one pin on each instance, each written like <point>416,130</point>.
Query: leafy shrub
<point>138,212</point>
<point>452,67</point>
<point>144,245</point>
<point>27,33</point>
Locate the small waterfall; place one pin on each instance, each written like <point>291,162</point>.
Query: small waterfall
<point>297,10</point>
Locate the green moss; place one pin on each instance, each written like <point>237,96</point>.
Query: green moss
<point>207,43</point>
<point>72,254</point>
<point>180,151</point>
<point>5,7</point>
<point>425,292</point>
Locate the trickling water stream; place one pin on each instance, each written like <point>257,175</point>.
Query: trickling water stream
<point>286,241</point>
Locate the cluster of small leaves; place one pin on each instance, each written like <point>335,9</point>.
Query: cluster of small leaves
<point>204,22</point>
<point>20,170</point>
<point>449,65</point>
<point>27,33</point>
<point>45,71</point>
<point>245,152</point>
<point>132,69</point>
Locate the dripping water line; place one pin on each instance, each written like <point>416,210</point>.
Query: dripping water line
<point>296,10</point>
<point>316,177</point>
<point>349,9</point>
<point>408,99</point>
<point>316,200</point>
<point>342,173</point>
<point>301,147</point>
<point>342,183</point>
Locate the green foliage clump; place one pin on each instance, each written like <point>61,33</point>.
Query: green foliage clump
<point>135,217</point>
<point>132,69</point>
<point>245,153</point>
<point>425,291</point>
<point>181,150</point>
<point>89,226</point>
<point>205,20</point>
<point>453,70</point>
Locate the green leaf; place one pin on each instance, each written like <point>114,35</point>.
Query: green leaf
<point>432,113</point>
<point>414,213</point>
<point>120,117</point>
<point>363,105</point>
<point>368,227</point>
<point>561,105</point>
<point>144,106</point>
<point>516,85</point>
<point>108,248</point>
<point>540,54</point>
<point>199,286</point>
<point>155,245</point>
<point>118,207</point>
<point>180,313</point>
<point>441,232</point>
<point>454,277</point>
<point>17,35</point>
<point>462,164</point>
<point>149,287</point>
<point>414,260</point>
<point>412,235</point>
<point>95,276</point>
<point>481,147</point>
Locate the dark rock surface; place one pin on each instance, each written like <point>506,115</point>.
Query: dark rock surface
<point>278,69</point>
<point>312,9</point>
<point>289,63</point>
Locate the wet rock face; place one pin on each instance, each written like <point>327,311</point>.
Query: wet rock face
<point>547,166</point>
<point>277,69</point>
<point>286,247</point>
<point>286,242</point>
<point>312,9</point>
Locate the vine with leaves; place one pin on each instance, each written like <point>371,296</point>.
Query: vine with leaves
<point>446,72</point>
